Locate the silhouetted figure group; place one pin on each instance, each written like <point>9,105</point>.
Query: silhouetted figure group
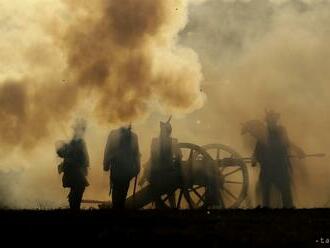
<point>122,160</point>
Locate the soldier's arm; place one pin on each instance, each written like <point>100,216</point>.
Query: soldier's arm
<point>86,155</point>
<point>61,152</point>
<point>178,154</point>
<point>284,136</point>
<point>153,151</point>
<point>106,159</point>
<point>147,166</point>
<point>81,155</point>
<point>145,173</point>
<point>255,155</point>
<point>296,149</point>
<point>137,153</point>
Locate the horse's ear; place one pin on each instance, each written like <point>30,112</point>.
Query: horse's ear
<point>169,119</point>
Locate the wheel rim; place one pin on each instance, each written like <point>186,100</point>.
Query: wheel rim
<point>190,195</point>
<point>235,183</point>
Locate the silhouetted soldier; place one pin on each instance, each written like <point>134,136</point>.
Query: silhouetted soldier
<point>258,130</point>
<point>122,158</point>
<point>279,146</point>
<point>272,153</point>
<point>164,163</point>
<point>75,165</point>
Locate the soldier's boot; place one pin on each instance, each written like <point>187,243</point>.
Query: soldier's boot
<point>171,199</point>
<point>266,189</point>
<point>75,197</point>
<point>286,196</point>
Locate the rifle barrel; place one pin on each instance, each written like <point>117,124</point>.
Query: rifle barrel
<point>313,155</point>
<point>94,202</point>
<point>317,155</point>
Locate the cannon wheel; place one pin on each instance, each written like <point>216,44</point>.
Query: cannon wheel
<point>235,183</point>
<point>191,196</point>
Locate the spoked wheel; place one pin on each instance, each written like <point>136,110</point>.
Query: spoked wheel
<point>191,198</point>
<point>234,174</point>
<point>191,193</point>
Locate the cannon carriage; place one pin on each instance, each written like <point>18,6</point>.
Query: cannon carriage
<point>213,176</point>
<point>210,176</point>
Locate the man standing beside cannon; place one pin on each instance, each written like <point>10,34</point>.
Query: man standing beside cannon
<point>272,153</point>
<point>163,169</point>
<point>164,164</point>
<point>122,159</point>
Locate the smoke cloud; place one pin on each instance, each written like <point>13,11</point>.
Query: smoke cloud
<point>267,54</point>
<point>121,56</point>
<point>109,61</point>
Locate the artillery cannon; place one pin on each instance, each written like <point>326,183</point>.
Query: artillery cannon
<point>214,176</point>
<point>205,171</point>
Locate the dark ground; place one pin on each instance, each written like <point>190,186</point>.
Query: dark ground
<point>227,228</point>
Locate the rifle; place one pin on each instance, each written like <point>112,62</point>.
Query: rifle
<point>110,185</point>
<point>135,182</point>
<point>313,155</point>
<point>94,202</point>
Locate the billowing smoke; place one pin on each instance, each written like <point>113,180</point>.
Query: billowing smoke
<point>108,61</point>
<point>267,54</point>
<point>126,53</point>
<point>120,56</point>
<point>27,113</point>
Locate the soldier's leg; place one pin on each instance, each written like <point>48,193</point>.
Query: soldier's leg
<point>159,204</point>
<point>286,195</point>
<point>214,198</point>
<point>156,191</point>
<point>171,199</point>
<point>123,193</point>
<point>115,195</point>
<point>75,197</point>
<point>265,190</point>
<point>119,193</point>
<point>70,198</point>
<point>79,195</point>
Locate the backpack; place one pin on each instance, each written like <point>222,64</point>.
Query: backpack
<point>124,157</point>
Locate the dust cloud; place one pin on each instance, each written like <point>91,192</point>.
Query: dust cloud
<point>110,61</point>
<point>267,54</point>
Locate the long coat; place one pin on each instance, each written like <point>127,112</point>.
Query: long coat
<point>273,157</point>
<point>121,155</point>
<point>75,163</point>
<point>165,159</point>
